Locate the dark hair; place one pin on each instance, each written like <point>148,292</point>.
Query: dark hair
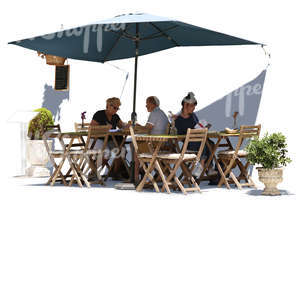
<point>182,102</point>
<point>189,96</point>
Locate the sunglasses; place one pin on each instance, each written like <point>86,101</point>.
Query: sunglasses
<point>114,107</point>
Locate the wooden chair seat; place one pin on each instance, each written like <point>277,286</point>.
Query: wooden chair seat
<point>57,153</point>
<point>145,156</point>
<point>88,152</point>
<point>176,156</point>
<point>229,153</point>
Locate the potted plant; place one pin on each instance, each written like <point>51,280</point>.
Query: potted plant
<point>36,153</point>
<point>271,153</point>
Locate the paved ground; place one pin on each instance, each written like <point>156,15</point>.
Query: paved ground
<point>102,243</point>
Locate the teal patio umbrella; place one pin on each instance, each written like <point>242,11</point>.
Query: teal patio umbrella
<point>126,36</point>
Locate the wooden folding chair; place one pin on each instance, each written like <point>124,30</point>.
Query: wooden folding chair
<point>148,162</point>
<point>82,160</point>
<point>232,158</point>
<point>74,146</point>
<point>186,161</point>
<point>57,174</point>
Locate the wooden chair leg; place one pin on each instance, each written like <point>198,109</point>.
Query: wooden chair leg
<point>147,175</point>
<point>223,178</point>
<point>162,177</point>
<point>82,176</point>
<point>190,179</point>
<point>57,171</point>
<point>227,171</point>
<point>76,176</point>
<point>93,167</point>
<point>172,176</point>
<point>180,185</point>
<point>235,180</point>
<point>195,184</point>
<point>245,174</point>
<point>152,180</point>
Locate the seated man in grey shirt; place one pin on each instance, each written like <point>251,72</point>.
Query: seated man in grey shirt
<point>158,121</point>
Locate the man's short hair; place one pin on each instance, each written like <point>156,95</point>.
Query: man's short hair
<point>153,100</point>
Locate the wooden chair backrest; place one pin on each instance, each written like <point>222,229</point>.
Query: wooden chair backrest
<point>253,130</point>
<point>47,133</point>
<point>95,132</point>
<point>79,127</point>
<point>138,129</point>
<point>134,142</point>
<point>195,135</point>
<point>53,128</point>
<point>247,132</point>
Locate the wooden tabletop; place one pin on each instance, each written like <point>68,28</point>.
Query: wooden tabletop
<point>146,137</point>
<point>72,134</point>
<point>162,137</point>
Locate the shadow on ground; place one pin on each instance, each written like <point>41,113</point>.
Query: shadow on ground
<point>258,193</point>
<point>109,184</point>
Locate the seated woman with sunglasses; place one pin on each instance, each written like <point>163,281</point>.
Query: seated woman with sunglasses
<point>110,117</point>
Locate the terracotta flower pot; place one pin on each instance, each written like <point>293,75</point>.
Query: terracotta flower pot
<point>270,178</point>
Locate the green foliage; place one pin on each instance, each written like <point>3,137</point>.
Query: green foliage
<point>37,125</point>
<point>270,151</point>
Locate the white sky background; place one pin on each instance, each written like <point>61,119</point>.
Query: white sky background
<point>210,72</point>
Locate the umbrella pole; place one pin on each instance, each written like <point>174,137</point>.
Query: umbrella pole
<point>133,114</point>
<point>134,162</point>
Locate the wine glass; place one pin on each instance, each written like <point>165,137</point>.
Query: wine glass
<point>234,119</point>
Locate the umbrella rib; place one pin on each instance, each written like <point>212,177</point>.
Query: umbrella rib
<point>115,43</point>
<point>113,46</point>
<point>126,34</point>
<point>156,35</point>
<point>163,33</point>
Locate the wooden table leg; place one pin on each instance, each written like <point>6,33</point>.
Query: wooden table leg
<point>212,157</point>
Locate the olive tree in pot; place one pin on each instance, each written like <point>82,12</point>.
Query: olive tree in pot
<point>36,153</point>
<point>270,152</point>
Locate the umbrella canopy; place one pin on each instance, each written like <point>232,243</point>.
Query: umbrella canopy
<point>115,38</point>
<point>126,36</point>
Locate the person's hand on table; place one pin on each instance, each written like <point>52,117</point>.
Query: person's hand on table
<point>126,125</point>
